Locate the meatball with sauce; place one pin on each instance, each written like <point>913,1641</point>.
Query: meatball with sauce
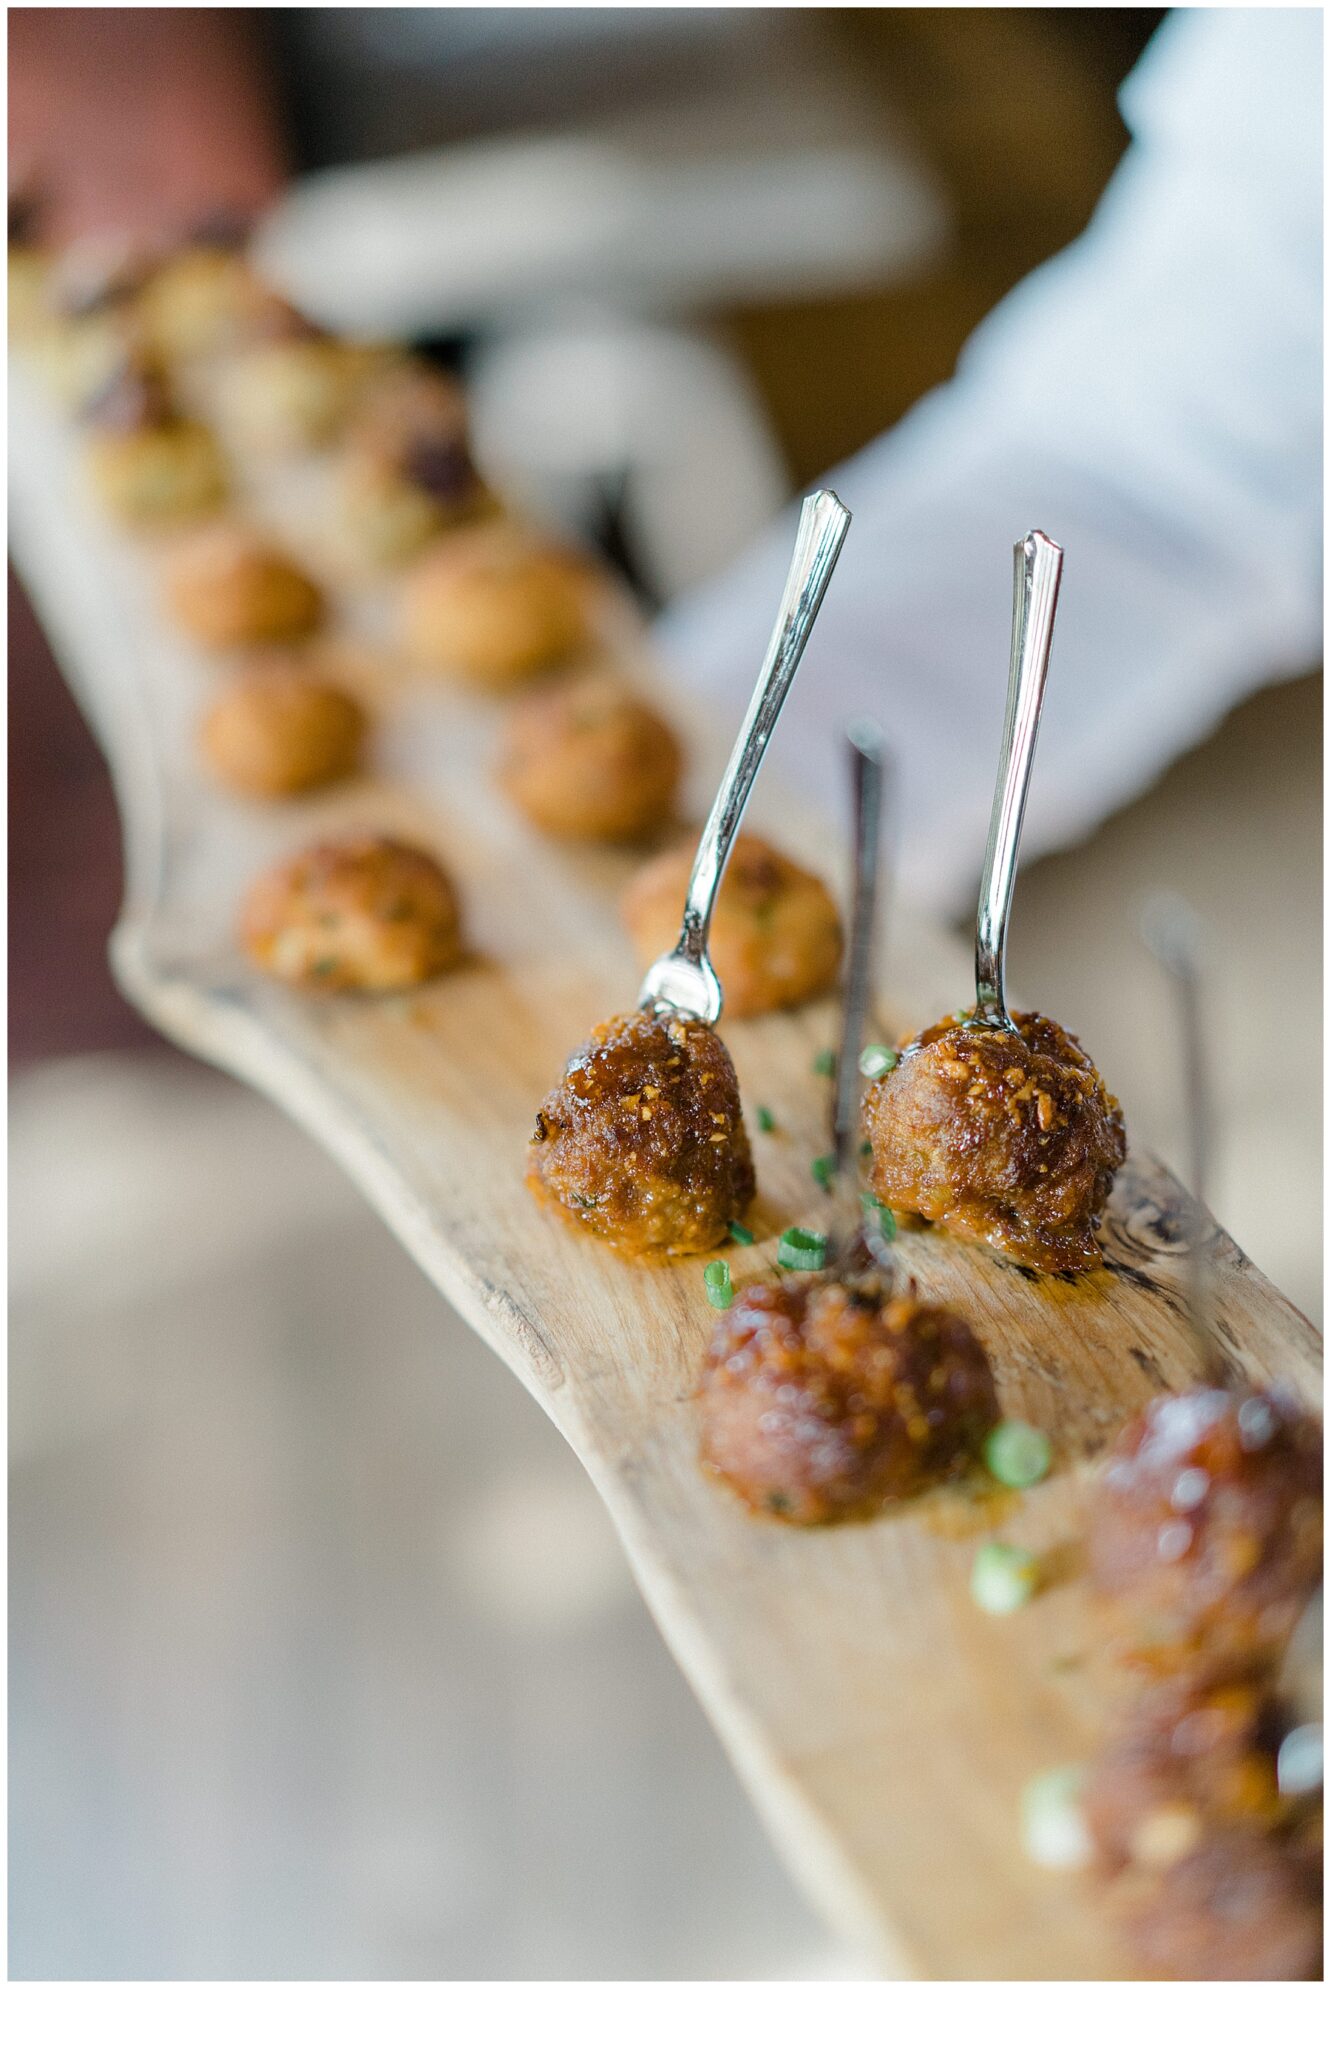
<point>1010,1140</point>
<point>1215,1869</point>
<point>150,465</point>
<point>230,587</point>
<point>1206,1531</point>
<point>827,1399</point>
<point>363,912</point>
<point>283,725</point>
<point>494,606</point>
<point>643,1141</point>
<point>775,939</point>
<point>590,760</point>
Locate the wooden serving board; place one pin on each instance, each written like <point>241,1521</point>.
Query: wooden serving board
<point>883,1725</point>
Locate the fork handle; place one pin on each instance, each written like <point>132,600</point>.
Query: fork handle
<point>822,529</point>
<point>1037,568</point>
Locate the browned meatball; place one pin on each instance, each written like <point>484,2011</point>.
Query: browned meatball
<point>229,587</point>
<point>1215,1870</point>
<point>1206,1533</point>
<point>590,760</point>
<point>408,473</point>
<point>826,1399</point>
<point>148,463</point>
<point>643,1142</point>
<point>776,936</point>
<point>1011,1141</point>
<point>281,726</point>
<point>494,605</point>
<point>362,912</point>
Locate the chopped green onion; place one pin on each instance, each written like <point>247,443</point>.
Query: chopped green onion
<point>802,1251</point>
<point>766,1121</point>
<point>1017,1453</point>
<point>716,1279</point>
<point>878,1213</point>
<point>1004,1577</point>
<point>877,1060</point>
<point>823,1169</point>
<point>866,1149</point>
<point>1053,1827</point>
<point>824,1063</point>
<point>740,1234</point>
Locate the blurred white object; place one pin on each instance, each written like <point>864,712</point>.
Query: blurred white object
<point>1152,399</point>
<point>773,177</point>
<point>570,415</point>
<point>451,240</point>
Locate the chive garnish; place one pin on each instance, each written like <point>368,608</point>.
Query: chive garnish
<point>1004,1577</point>
<point>740,1234</point>
<point>877,1060</point>
<point>766,1121</point>
<point>802,1251</point>
<point>878,1214</point>
<point>1017,1453</point>
<point>823,1168</point>
<point>824,1063</point>
<point>716,1279</point>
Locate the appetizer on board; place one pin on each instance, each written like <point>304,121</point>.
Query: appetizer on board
<point>202,298</point>
<point>408,474</point>
<point>150,465</point>
<point>1206,1534</point>
<point>775,937</point>
<point>282,725</point>
<point>363,912</point>
<point>293,386</point>
<point>92,319</point>
<point>230,586</point>
<point>29,266</point>
<point>1011,1141</point>
<point>495,606</point>
<point>643,1141</point>
<point>590,760</point>
<point>827,1399</point>
<point>1213,1858</point>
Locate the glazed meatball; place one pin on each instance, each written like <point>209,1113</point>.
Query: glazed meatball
<point>775,939</point>
<point>643,1142</point>
<point>1011,1141</point>
<point>590,760</point>
<point>827,1399</point>
<point>1206,1531</point>
<point>282,726</point>
<point>409,472</point>
<point>493,606</point>
<point>363,912</point>
<point>149,464</point>
<point>1215,1870</point>
<point>229,587</point>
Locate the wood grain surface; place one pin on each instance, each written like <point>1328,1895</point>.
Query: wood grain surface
<point>883,1725</point>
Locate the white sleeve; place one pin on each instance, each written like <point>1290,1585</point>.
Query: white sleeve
<point>1152,399</point>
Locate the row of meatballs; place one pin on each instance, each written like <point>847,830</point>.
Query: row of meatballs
<point>483,601</point>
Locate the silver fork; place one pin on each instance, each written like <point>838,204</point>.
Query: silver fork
<point>870,766</point>
<point>1037,569</point>
<point>684,979</point>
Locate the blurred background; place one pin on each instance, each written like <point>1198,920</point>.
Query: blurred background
<point>324,1662</point>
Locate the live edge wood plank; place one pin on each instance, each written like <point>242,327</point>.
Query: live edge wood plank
<point>883,1725</point>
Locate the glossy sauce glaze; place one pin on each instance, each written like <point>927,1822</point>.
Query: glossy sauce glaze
<point>1010,1141</point>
